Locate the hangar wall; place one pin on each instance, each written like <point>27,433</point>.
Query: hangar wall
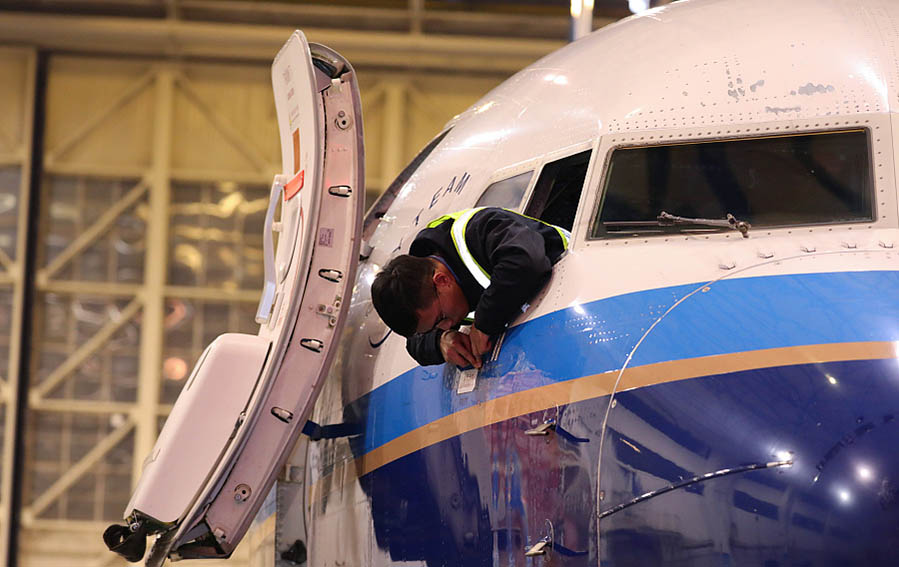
<point>17,67</point>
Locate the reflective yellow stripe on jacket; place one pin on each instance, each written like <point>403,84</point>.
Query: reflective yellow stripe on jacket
<point>460,221</point>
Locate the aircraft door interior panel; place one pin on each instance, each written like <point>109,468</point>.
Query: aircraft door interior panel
<point>235,422</point>
<point>220,402</point>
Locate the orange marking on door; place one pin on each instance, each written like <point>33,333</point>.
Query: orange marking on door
<point>294,185</point>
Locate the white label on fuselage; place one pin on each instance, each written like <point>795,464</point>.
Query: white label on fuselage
<point>468,379</point>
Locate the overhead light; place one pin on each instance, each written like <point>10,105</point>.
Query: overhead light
<point>581,19</point>
<point>636,6</point>
<point>640,6</point>
<point>864,473</point>
<point>576,7</point>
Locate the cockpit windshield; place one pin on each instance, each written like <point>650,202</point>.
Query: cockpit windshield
<point>377,210</point>
<point>785,180</point>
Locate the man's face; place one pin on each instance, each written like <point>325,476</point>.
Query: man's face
<point>447,309</point>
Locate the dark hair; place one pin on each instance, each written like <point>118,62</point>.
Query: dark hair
<point>400,289</point>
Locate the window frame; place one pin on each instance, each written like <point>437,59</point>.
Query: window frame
<point>593,146</point>
<point>371,219</point>
<point>881,200</point>
<point>501,179</point>
<point>533,165</point>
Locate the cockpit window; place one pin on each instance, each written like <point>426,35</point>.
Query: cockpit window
<point>788,180</point>
<point>558,190</point>
<point>506,192</point>
<point>377,210</point>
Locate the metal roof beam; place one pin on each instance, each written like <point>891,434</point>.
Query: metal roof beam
<point>217,41</point>
<point>547,21</point>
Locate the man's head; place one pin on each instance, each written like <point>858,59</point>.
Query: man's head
<point>414,295</point>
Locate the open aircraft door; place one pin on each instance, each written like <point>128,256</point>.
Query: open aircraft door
<point>247,399</point>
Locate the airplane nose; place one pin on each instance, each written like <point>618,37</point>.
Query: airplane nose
<point>854,495</point>
<point>837,504</point>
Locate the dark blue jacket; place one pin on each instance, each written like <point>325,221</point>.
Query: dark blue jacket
<point>517,252</point>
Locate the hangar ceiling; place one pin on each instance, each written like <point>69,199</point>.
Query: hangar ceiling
<point>547,19</point>
<point>484,38</point>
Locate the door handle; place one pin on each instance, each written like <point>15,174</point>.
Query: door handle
<point>269,287</point>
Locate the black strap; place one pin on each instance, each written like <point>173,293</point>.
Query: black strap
<point>129,544</point>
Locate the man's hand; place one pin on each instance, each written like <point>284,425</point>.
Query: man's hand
<point>456,349</point>
<point>480,343</point>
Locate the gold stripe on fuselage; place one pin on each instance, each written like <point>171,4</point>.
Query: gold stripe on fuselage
<point>598,385</point>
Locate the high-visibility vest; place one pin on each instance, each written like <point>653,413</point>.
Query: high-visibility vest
<point>460,221</point>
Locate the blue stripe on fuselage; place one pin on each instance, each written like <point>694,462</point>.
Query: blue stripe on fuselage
<point>733,315</point>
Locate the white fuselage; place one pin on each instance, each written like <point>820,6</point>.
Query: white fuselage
<point>694,71</point>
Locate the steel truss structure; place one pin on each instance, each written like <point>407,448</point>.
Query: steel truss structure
<point>107,298</point>
<point>15,179</point>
